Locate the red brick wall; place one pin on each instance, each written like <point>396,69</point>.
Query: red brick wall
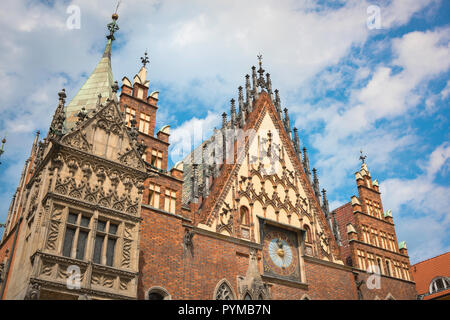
<point>400,290</point>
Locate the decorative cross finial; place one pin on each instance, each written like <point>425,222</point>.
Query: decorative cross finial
<point>113,27</point>
<point>261,81</point>
<point>145,59</point>
<point>362,157</point>
<point>260,57</point>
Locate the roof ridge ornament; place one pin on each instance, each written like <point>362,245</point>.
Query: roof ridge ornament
<point>113,27</point>
<point>362,157</point>
<point>145,59</point>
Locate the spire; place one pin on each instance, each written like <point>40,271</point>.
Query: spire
<point>99,82</point>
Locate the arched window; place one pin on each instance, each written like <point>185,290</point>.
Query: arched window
<point>247,297</point>
<point>379,265</point>
<point>158,293</point>
<point>223,291</point>
<point>245,217</point>
<point>305,297</point>
<point>307,234</point>
<point>388,268</point>
<point>439,284</point>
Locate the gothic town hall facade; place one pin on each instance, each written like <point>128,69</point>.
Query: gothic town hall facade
<point>98,215</point>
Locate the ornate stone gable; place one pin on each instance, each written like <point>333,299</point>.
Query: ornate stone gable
<point>291,197</point>
<point>105,134</point>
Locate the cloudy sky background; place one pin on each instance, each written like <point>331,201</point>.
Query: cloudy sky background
<point>347,87</point>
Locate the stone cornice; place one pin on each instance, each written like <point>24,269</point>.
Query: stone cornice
<point>174,215</point>
<point>383,275</point>
<point>92,206</point>
<point>327,263</point>
<point>377,219</point>
<point>379,248</point>
<point>223,237</point>
<point>96,267</point>
<point>289,283</point>
<point>89,292</point>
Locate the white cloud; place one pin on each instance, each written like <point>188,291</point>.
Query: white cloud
<point>191,132</point>
<point>421,207</point>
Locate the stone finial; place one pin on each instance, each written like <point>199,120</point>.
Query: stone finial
<point>233,113</point>
<point>287,121</point>
<point>132,130</point>
<point>99,100</point>
<point>224,120</point>
<point>255,83</point>
<point>316,183</point>
<point>62,96</point>
<point>269,84</point>
<point>325,202</point>
<point>115,87</point>
<point>113,27</point>
<point>57,125</point>
<point>296,141</point>
<point>306,163</point>
<point>362,157</point>
<point>145,59</point>
<point>261,82</point>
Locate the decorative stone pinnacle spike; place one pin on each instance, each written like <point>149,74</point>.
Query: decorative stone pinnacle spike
<point>62,95</point>
<point>115,87</point>
<point>224,120</point>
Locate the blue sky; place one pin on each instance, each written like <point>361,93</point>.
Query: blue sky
<point>347,87</point>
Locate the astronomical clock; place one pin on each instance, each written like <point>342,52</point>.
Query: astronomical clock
<point>280,252</point>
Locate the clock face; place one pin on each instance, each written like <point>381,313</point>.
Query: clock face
<point>280,252</point>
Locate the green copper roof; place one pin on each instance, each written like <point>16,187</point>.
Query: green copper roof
<point>99,82</point>
<point>402,245</point>
<point>388,213</point>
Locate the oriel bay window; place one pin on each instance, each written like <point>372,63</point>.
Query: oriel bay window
<point>76,236</point>
<point>105,242</point>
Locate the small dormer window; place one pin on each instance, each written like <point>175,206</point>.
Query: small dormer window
<point>439,284</point>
